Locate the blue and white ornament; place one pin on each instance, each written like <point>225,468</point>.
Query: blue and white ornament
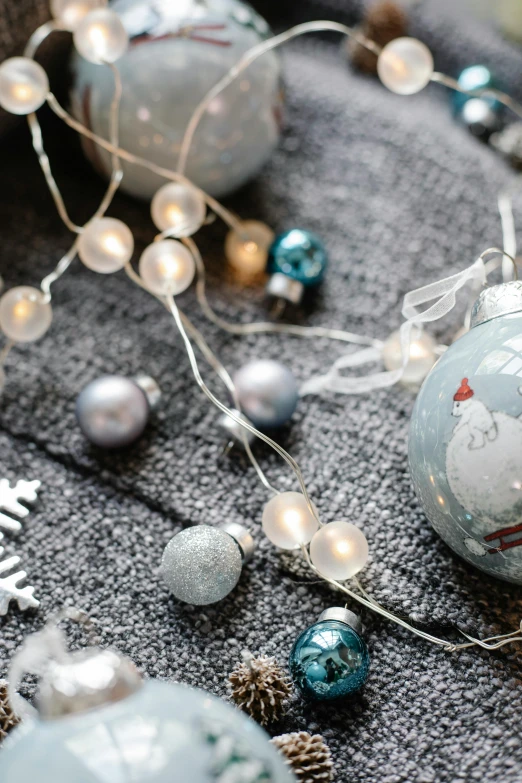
<point>465,438</point>
<point>330,659</point>
<point>177,52</point>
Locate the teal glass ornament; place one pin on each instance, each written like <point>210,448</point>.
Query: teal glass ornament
<point>481,114</point>
<point>465,437</point>
<point>330,659</point>
<point>297,260</point>
<point>98,725</point>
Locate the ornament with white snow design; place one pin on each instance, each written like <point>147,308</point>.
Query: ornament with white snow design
<point>465,446</point>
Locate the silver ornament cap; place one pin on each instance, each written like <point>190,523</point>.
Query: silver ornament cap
<point>496,301</point>
<point>86,680</point>
<point>342,615</point>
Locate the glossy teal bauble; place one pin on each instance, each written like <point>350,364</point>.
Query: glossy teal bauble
<point>300,255</point>
<point>466,436</point>
<point>481,114</point>
<point>162,733</point>
<point>330,659</point>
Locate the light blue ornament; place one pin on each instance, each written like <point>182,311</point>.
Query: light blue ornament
<point>155,733</point>
<point>267,391</point>
<point>178,50</point>
<point>330,659</point>
<point>465,444</point>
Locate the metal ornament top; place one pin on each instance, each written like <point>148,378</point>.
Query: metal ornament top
<point>85,680</point>
<point>496,301</point>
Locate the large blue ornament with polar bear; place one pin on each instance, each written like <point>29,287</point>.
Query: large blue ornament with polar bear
<point>465,446</point>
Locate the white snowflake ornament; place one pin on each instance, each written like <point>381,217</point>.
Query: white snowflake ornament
<point>9,589</point>
<point>9,501</point>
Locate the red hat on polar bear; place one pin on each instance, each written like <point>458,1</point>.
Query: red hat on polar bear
<point>464,392</point>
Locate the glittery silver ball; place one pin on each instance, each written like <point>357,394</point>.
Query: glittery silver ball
<point>201,565</point>
<point>112,411</point>
<point>267,392</point>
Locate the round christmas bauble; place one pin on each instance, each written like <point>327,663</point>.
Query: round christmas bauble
<point>162,733</point>
<point>330,659</point>
<point>465,436</point>
<point>177,52</point>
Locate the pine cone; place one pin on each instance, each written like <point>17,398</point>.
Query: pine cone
<point>260,688</point>
<point>384,21</point>
<point>7,717</point>
<point>308,756</point>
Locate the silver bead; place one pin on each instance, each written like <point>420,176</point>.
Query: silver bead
<point>202,564</point>
<point>112,411</point>
<point>267,392</point>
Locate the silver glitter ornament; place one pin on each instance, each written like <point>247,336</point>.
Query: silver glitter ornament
<point>113,411</point>
<point>267,392</point>
<point>201,565</point>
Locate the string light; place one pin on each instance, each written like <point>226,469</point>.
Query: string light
<point>246,248</point>
<point>23,85</point>
<point>106,245</point>
<point>69,13</point>
<point>339,550</point>
<point>179,209</point>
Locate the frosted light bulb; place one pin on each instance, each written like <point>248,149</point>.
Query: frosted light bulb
<point>105,245</point>
<point>69,13</point>
<point>100,37</point>
<point>422,356</point>
<point>25,316</point>
<point>405,66</point>
<point>167,267</point>
<point>288,522</point>
<point>179,208</point>
<point>247,249</point>
<point>339,550</point>
<point>23,85</point>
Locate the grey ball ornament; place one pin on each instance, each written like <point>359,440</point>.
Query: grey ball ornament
<point>112,411</point>
<point>465,436</point>
<point>267,392</point>
<point>202,564</point>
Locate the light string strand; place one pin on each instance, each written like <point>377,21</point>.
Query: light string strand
<point>182,323</point>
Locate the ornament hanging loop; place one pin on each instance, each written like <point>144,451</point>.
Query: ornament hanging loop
<point>497,251</point>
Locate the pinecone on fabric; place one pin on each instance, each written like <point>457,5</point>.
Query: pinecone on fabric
<point>383,22</point>
<point>7,717</point>
<point>260,688</point>
<point>308,756</point>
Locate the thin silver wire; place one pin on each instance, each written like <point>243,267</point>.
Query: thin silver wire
<point>228,217</point>
<point>266,326</point>
<point>371,603</point>
<point>504,98</point>
<point>249,57</point>
<point>216,365</point>
<point>229,412</point>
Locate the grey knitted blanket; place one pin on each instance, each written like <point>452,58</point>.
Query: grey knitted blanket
<point>401,195</point>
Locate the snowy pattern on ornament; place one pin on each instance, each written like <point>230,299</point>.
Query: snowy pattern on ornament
<point>9,501</point>
<point>494,438</point>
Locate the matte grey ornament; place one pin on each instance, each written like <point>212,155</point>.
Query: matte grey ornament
<point>112,411</point>
<point>9,586</point>
<point>267,392</point>
<point>202,564</point>
<point>9,501</point>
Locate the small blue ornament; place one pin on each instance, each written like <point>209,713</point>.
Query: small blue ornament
<point>481,114</point>
<point>330,659</point>
<point>301,258</point>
